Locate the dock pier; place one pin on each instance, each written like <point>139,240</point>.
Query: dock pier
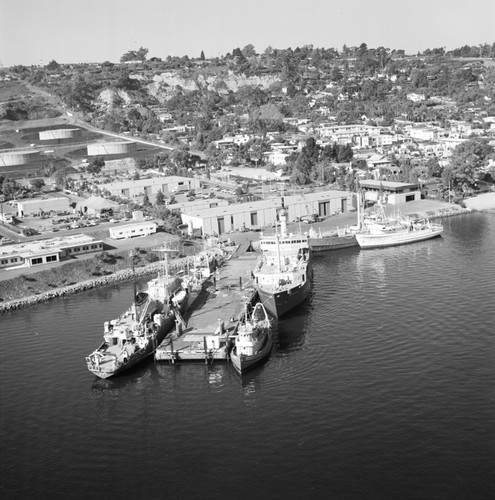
<point>214,315</point>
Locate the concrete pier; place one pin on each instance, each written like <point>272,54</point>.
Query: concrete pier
<point>214,315</point>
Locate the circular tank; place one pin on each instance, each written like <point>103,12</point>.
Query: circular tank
<point>111,148</point>
<point>12,158</point>
<point>63,133</point>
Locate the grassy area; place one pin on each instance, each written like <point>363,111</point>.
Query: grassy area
<point>84,269</point>
<point>13,90</point>
<point>73,272</point>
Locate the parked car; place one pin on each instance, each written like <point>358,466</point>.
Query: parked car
<point>308,219</point>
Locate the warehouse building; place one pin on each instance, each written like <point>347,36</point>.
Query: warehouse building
<point>263,213</point>
<point>35,206</point>
<point>167,185</point>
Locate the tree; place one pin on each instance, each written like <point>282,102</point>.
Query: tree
<point>160,198</point>
<point>60,178</point>
<point>37,184</point>
<point>467,159</point>
<point>135,55</point>
<point>146,200</point>
<point>10,188</point>
<point>95,165</point>
<point>202,56</point>
<point>434,168</point>
<point>248,51</point>
<point>335,74</point>
<point>53,65</point>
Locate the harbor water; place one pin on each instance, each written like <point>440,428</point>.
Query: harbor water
<point>382,385</point>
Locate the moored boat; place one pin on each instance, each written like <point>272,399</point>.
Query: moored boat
<point>377,236</point>
<point>140,329</point>
<point>380,231</point>
<point>253,341</point>
<point>282,275</point>
<point>331,240</point>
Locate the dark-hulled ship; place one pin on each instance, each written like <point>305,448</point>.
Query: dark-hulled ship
<point>137,333</point>
<point>283,273</point>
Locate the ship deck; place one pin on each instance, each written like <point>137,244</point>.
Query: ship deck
<point>221,302</point>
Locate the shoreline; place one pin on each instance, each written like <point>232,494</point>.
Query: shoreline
<point>127,274</point>
<point>60,292</point>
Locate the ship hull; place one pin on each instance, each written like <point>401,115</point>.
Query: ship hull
<point>281,302</point>
<point>244,363</point>
<point>109,369</point>
<point>396,239</point>
<point>332,243</point>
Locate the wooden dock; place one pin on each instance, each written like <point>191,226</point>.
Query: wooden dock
<point>213,315</point>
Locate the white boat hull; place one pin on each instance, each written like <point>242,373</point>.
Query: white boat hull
<point>395,238</point>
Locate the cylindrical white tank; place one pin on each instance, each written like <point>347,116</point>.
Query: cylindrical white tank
<point>11,158</point>
<point>63,133</point>
<point>111,148</point>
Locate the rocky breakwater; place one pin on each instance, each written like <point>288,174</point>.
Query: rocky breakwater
<point>110,279</point>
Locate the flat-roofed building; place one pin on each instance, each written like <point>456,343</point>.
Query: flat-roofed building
<point>39,252</point>
<point>167,185</point>
<point>36,205</point>
<point>263,213</point>
<point>389,192</point>
<point>133,230</point>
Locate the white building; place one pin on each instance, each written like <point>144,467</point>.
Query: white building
<point>35,253</point>
<point>263,213</point>
<point>424,133</point>
<point>416,97</point>
<point>394,193</point>
<point>167,185</point>
<point>144,228</point>
<point>36,205</point>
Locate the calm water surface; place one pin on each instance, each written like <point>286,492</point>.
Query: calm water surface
<point>381,386</point>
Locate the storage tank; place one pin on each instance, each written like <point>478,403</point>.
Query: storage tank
<point>11,158</point>
<point>111,148</point>
<point>63,133</point>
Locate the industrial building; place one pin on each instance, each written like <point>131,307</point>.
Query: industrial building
<point>257,214</point>
<point>394,193</point>
<point>34,206</point>
<point>35,253</point>
<point>132,230</point>
<point>167,185</point>
<point>198,204</point>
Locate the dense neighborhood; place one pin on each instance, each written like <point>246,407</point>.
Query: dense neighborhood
<point>206,146</point>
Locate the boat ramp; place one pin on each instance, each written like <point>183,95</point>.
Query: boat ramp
<point>214,314</point>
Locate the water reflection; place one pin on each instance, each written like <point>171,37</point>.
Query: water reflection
<point>136,379</point>
<point>212,375</point>
<point>290,331</point>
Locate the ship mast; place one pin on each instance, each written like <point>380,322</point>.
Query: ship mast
<point>359,207</point>
<point>164,259</point>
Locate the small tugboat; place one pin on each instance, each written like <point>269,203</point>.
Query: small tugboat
<point>283,273</point>
<point>253,341</point>
<point>137,333</point>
